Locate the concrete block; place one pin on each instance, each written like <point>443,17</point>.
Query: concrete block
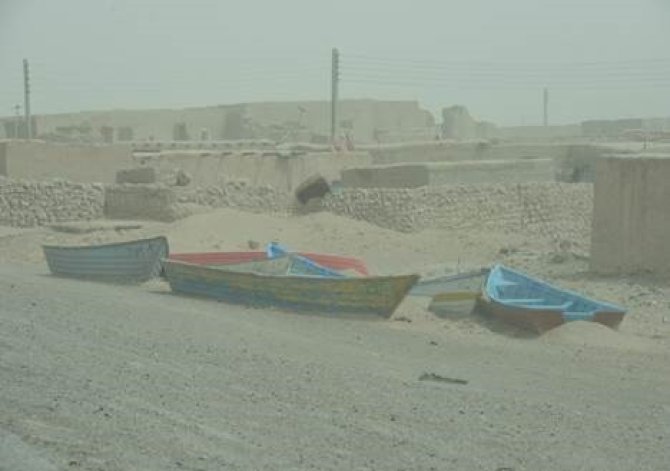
<point>450,173</point>
<point>631,222</point>
<point>136,175</point>
<point>140,202</point>
<point>386,176</point>
<point>491,171</point>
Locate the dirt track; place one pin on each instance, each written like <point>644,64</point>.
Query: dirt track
<point>101,377</point>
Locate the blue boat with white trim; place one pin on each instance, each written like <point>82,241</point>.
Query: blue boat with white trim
<point>520,299</point>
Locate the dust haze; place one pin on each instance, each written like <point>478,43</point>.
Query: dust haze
<point>600,59</point>
<point>334,235</point>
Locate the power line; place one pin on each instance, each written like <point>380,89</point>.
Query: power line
<point>360,69</point>
<point>515,64</point>
<point>501,86</point>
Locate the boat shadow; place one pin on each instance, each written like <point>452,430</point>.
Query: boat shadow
<point>500,327</point>
<point>479,316</point>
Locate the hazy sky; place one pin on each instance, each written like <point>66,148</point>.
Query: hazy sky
<point>599,58</point>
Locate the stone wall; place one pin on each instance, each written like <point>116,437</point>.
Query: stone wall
<point>556,211</point>
<point>29,203</point>
<point>240,195</point>
<point>162,203</point>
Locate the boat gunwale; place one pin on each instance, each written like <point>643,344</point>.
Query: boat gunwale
<point>603,306</point>
<point>367,279</point>
<point>356,264</point>
<point>107,245</point>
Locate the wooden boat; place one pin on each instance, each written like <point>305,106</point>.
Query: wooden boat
<point>126,262</point>
<point>470,281</point>
<point>456,294</point>
<point>452,294</point>
<point>529,303</point>
<point>334,262</point>
<point>274,283</point>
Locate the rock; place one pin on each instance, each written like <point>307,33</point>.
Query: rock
<point>559,257</point>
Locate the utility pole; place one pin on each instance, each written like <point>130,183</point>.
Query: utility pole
<point>26,96</point>
<point>335,85</point>
<point>17,121</point>
<point>546,107</point>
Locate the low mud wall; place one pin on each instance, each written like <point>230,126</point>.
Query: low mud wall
<point>36,160</point>
<point>450,173</point>
<point>215,168</point>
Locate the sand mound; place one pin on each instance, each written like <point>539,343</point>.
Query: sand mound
<point>385,250</point>
<point>593,334</point>
<point>231,229</point>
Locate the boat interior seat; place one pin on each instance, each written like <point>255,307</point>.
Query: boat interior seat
<point>506,283</point>
<point>559,307</point>
<point>540,303</point>
<point>525,301</point>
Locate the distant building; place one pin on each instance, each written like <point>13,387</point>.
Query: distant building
<point>277,121</point>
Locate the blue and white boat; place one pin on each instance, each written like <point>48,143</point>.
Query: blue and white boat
<point>520,299</point>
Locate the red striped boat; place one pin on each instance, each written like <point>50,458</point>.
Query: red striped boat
<point>334,262</point>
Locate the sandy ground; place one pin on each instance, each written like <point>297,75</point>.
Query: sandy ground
<point>103,377</point>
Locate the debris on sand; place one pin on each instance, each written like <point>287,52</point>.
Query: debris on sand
<point>441,379</point>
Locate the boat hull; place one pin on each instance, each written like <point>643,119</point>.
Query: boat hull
<point>454,303</point>
<point>127,262</point>
<point>372,295</point>
<point>540,321</point>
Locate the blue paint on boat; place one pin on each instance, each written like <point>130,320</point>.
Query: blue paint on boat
<point>126,262</point>
<point>522,294</point>
<point>300,265</point>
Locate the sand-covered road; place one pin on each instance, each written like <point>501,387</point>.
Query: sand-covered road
<point>99,377</point>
